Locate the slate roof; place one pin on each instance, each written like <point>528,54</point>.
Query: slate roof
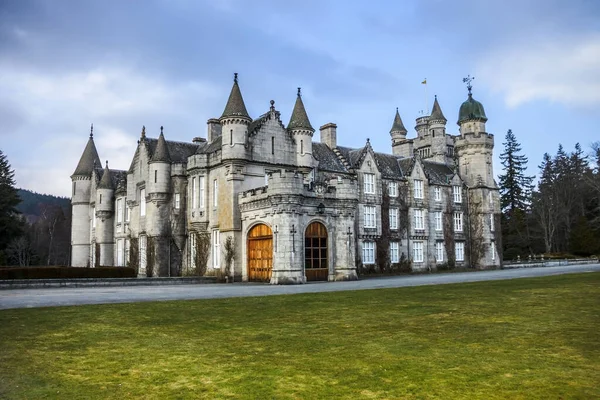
<point>328,160</point>
<point>235,104</point>
<point>208,148</point>
<point>161,152</point>
<point>89,156</point>
<point>106,181</point>
<point>299,119</point>
<point>178,151</point>
<point>388,166</point>
<point>398,125</point>
<point>406,165</point>
<point>436,112</point>
<point>438,173</point>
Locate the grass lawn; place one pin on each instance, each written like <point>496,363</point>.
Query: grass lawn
<point>528,338</point>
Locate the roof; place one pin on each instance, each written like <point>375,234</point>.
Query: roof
<point>388,166</point>
<point>299,119</point>
<point>471,109</point>
<point>178,151</point>
<point>436,112</point>
<point>328,160</point>
<point>106,181</point>
<point>161,152</point>
<point>438,173</point>
<point>89,159</point>
<point>398,125</point>
<point>208,148</point>
<point>235,104</point>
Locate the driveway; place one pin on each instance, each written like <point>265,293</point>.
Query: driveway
<point>27,298</point>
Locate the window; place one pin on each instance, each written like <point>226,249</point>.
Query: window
<point>302,147</point>
<point>74,187</point>
<point>370,217</point>
<point>491,222</point>
<point>231,137</point>
<point>458,222</point>
<point>127,212</point>
<point>194,194</point>
<point>93,217</point>
<point>418,251</point>
<point>216,249</point>
<point>437,193</point>
<point>120,253</point>
<point>438,220</point>
<point>369,183</point>
<point>177,201</point>
<point>119,211</point>
<point>394,252</point>
<point>457,194</point>
<point>368,256</point>
<point>393,189</point>
<point>100,202</point>
<point>215,193</point>
<point>419,220</point>
<point>142,254</point>
<point>439,252</point>
<point>193,251</point>
<point>418,188</point>
<point>127,249</point>
<point>272,144</point>
<point>459,250</point>
<point>142,202</point>
<point>493,250</point>
<point>491,199</point>
<point>266,178</point>
<point>393,218</point>
<point>201,186</point>
<point>155,175</point>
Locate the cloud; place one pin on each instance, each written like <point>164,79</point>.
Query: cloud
<point>564,70</point>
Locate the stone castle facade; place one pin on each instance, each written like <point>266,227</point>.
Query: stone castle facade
<point>260,201</point>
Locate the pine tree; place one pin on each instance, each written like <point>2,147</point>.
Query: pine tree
<point>11,226</point>
<point>515,198</point>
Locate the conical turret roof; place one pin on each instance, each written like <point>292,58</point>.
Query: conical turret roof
<point>106,181</point>
<point>161,153</point>
<point>436,112</point>
<point>398,125</point>
<point>88,158</point>
<point>299,119</point>
<point>235,104</point>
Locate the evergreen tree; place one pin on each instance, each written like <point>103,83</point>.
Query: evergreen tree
<point>515,199</point>
<point>11,225</point>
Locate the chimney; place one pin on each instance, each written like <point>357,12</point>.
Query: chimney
<point>329,135</point>
<point>214,129</point>
<point>198,140</point>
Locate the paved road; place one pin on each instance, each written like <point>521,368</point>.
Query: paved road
<point>27,298</point>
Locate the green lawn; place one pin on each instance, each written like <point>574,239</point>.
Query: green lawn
<point>527,338</point>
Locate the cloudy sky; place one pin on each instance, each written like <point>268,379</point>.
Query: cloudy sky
<point>121,64</point>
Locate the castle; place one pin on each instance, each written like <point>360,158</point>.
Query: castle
<point>260,201</point>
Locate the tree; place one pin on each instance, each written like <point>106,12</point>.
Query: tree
<point>11,226</point>
<point>515,198</point>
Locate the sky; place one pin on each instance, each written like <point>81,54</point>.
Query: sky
<point>121,64</point>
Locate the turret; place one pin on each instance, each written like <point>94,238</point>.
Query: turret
<point>234,125</point>
<point>437,131</point>
<point>398,134</point>
<point>159,179</point>
<point>302,132</point>
<point>105,209</point>
<point>80,202</point>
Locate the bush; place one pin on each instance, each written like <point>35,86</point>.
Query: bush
<point>66,272</point>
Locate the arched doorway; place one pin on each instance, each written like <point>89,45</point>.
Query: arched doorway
<point>316,260</point>
<point>260,253</point>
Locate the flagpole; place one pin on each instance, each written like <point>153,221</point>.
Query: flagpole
<point>426,102</point>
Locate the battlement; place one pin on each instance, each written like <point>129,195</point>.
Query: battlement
<point>476,138</point>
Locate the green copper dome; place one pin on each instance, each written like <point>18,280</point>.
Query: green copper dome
<point>471,109</point>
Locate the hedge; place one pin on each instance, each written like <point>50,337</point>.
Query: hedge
<point>66,272</point>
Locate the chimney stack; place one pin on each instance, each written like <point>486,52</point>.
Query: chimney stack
<point>329,135</point>
<point>214,129</point>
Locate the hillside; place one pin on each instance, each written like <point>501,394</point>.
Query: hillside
<point>33,203</point>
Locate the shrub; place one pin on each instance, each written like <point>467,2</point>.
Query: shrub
<point>66,272</point>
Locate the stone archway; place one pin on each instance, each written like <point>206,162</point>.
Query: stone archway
<point>316,252</point>
<point>260,253</point>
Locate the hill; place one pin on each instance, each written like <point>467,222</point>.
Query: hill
<point>33,203</point>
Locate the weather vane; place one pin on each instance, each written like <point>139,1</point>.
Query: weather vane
<point>468,81</point>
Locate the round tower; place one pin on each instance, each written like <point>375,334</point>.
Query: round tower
<point>234,125</point>
<point>159,185</point>
<point>105,209</point>
<point>398,133</point>
<point>437,131</point>
<point>302,132</point>
<point>80,203</point>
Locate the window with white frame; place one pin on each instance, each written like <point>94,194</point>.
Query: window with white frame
<point>93,217</point>
<point>192,251</point>
<point>493,250</point>
<point>458,222</point>
<point>215,193</point>
<point>395,252</point>
<point>419,219</point>
<point>194,193</point>
<point>119,211</point>
<point>418,189</point>
<point>127,212</point>
<point>491,222</point>
<point>457,194</point>
<point>120,252</point>
<point>127,250</point>
<point>393,189</point>
<point>393,218</point>
<point>369,183</point>
<point>439,252</point>
<point>216,249</point>
<point>370,217</point>
<point>177,201</point>
<point>438,221</point>
<point>491,199</point>
<point>201,181</point>
<point>437,193</point>
<point>459,251</point>
<point>368,253</point>
<point>418,251</point>
<point>142,202</point>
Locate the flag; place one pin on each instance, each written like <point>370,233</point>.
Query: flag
<point>424,82</point>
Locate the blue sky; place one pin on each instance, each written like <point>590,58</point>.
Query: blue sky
<point>122,64</point>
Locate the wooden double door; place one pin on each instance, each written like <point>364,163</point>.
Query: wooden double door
<point>260,253</point>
